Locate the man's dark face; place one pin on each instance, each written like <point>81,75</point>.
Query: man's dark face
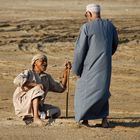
<point>41,64</point>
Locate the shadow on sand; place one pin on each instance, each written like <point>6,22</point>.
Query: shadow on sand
<point>131,122</point>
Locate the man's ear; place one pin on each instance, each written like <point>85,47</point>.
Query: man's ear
<point>90,14</point>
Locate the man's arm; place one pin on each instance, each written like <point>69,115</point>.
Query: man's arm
<point>115,40</point>
<point>80,51</point>
<point>60,86</point>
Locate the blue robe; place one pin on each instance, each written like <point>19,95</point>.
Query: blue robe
<point>92,63</point>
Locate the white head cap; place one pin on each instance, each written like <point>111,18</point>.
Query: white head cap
<point>93,8</point>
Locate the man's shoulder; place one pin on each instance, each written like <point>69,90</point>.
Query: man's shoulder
<point>108,21</point>
<point>83,27</point>
<point>26,71</point>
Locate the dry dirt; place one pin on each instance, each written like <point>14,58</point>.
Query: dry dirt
<point>28,27</point>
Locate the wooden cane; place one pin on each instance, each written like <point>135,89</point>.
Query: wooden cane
<point>67,95</point>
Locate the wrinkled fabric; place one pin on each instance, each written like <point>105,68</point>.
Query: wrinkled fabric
<point>92,63</point>
<point>22,99</point>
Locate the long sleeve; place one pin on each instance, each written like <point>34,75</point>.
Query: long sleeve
<point>115,40</point>
<point>21,78</point>
<point>55,86</point>
<point>80,51</point>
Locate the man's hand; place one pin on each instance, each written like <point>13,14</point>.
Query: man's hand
<point>67,64</point>
<point>28,85</point>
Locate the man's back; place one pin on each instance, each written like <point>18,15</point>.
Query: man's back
<point>100,35</point>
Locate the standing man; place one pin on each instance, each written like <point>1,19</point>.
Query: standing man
<point>95,46</point>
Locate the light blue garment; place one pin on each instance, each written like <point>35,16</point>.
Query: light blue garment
<point>92,62</point>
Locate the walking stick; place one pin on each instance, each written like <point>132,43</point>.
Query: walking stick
<point>67,95</point>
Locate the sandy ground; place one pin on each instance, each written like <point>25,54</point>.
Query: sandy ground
<point>28,27</point>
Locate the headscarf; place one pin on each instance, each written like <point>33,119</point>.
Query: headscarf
<point>38,56</point>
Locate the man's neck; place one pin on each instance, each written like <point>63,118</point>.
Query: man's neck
<point>37,71</point>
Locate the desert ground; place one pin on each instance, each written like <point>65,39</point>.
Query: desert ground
<point>28,27</point>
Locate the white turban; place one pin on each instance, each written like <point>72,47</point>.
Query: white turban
<point>93,8</point>
<point>38,56</point>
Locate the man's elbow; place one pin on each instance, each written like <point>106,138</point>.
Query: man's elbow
<point>61,90</point>
<point>76,71</point>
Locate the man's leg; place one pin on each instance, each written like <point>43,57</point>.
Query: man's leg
<point>35,106</point>
<point>105,123</point>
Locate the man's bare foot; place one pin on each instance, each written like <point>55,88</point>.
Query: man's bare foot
<point>105,123</point>
<point>38,122</point>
